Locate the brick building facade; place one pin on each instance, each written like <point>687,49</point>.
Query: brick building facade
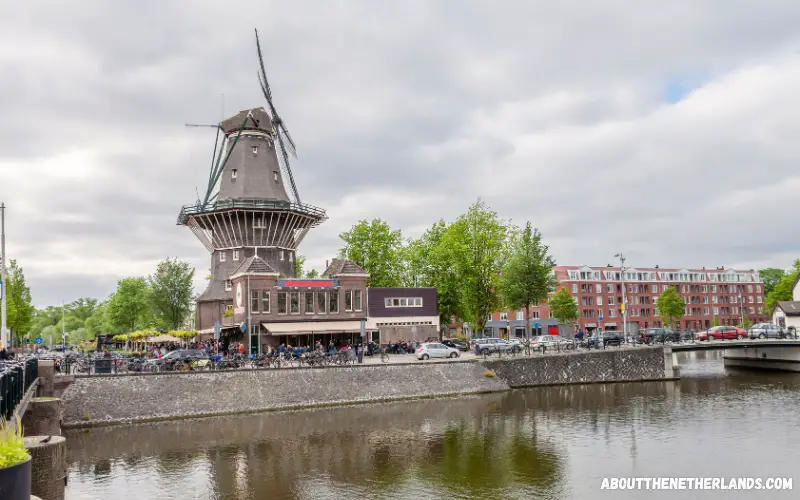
<point>728,294</point>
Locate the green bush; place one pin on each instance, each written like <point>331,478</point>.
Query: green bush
<point>12,447</point>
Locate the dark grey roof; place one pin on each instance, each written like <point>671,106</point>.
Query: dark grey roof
<point>254,264</point>
<point>258,120</point>
<point>790,307</point>
<point>340,267</point>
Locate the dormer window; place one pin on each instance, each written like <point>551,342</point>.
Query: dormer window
<point>275,175</point>
<point>233,174</point>
<point>222,256</point>
<point>254,149</point>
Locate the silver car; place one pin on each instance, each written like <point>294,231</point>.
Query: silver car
<point>435,350</point>
<point>491,345</point>
<point>766,331</point>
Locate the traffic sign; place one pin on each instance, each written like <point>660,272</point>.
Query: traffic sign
<point>39,340</point>
<point>217,328</point>
<point>600,318</point>
<point>243,326</point>
<point>622,307</point>
<point>536,325</point>
<point>27,341</point>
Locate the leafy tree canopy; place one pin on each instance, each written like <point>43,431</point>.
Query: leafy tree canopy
<point>563,307</point>
<point>171,292</point>
<point>376,247</point>
<point>671,307</point>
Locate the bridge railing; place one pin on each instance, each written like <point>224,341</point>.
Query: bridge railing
<point>16,376</point>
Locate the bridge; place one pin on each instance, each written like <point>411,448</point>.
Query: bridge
<point>730,344</point>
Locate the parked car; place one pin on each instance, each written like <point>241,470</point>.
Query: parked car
<point>456,344</point>
<point>492,345</point>
<point>549,342</point>
<point>657,335</point>
<point>607,338</point>
<point>722,332</point>
<point>436,350</point>
<point>766,331</point>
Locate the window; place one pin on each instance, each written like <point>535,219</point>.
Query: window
<point>254,300</point>
<point>308,303</point>
<point>236,255</point>
<point>705,299</point>
<point>520,315</point>
<point>714,299</point>
<point>716,311</point>
<point>396,301</point>
<point>749,288</point>
<point>348,300</point>
<point>713,288</point>
<point>535,314</point>
<point>750,299</point>
<point>654,289</point>
<point>705,311</point>
<point>333,301</point>
<point>322,306</point>
<point>574,288</point>
<point>704,288</point>
<point>489,318</point>
<point>254,149</point>
<point>752,310</point>
<point>265,301</point>
<point>664,288</point>
<point>599,300</point>
<point>357,300</point>
<point>228,285</point>
<point>282,305</point>
<point>283,256</point>
<point>611,313</point>
<point>295,302</point>
<point>573,275</point>
<point>611,300</point>
<point>758,299</point>
<point>233,174</point>
<point>259,223</point>
<point>275,175</point>
<point>609,288</point>
<point>222,256</point>
<point>598,288</point>
<point>503,316</point>
<point>758,288</point>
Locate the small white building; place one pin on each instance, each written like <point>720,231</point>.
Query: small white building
<point>787,312</point>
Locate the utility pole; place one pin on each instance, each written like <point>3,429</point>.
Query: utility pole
<point>624,297</point>
<point>3,277</point>
<point>63,328</point>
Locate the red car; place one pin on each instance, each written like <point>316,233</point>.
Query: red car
<point>722,332</point>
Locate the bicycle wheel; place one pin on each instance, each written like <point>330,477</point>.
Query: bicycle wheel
<point>384,357</point>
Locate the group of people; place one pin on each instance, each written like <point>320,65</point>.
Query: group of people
<point>402,347</point>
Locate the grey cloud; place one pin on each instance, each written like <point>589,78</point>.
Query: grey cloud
<point>433,102</point>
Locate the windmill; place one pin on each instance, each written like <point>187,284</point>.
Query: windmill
<point>251,206</point>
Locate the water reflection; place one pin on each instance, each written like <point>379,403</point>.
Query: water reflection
<point>547,443</point>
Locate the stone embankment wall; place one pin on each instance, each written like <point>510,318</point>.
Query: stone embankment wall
<point>601,365</point>
<point>99,400</point>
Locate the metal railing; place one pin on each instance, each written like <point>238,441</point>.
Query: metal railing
<point>196,209</point>
<point>16,376</point>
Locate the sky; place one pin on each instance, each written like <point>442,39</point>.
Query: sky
<point>664,130</point>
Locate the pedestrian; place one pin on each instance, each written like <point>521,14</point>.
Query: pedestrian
<point>360,353</point>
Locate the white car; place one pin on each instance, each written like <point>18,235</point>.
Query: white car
<point>550,341</point>
<point>435,350</point>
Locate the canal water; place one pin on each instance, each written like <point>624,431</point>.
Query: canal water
<point>549,443</point>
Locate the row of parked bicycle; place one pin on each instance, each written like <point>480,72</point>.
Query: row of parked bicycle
<point>196,360</point>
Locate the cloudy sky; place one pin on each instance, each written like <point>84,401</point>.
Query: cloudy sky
<point>666,130</point>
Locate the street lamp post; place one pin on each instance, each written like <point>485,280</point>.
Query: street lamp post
<point>741,308</point>
<point>3,288</point>
<point>624,297</point>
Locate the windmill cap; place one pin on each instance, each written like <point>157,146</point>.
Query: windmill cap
<point>254,119</point>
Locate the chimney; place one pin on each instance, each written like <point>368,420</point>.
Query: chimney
<point>656,266</point>
<point>326,265</point>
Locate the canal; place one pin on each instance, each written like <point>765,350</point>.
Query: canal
<point>551,443</point>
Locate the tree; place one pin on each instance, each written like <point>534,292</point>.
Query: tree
<point>671,307</point>
<point>299,262</point>
<point>429,262</point>
<point>771,276</point>
<point>783,290</point>
<point>19,308</point>
<point>376,247</point>
<point>313,274</point>
<point>715,321</point>
<point>171,292</point>
<point>563,307</point>
<point>129,308</point>
<point>98,322</point>
<point>527,278</point>
<point>476,244</point>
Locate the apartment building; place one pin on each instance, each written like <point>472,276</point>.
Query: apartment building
<point>728,294</point>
